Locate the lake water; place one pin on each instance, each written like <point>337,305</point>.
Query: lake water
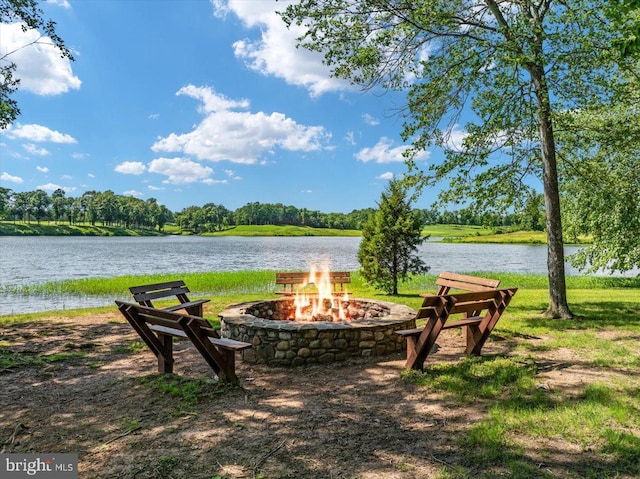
<point>33,259</point>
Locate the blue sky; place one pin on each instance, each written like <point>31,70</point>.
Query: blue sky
<point>195,101</point>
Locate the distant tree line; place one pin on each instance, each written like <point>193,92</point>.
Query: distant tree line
<point>92,207</point>
<point>110,209</point>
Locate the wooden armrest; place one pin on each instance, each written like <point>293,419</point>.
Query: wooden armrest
<point>186,305</point>
<point>409,332</point>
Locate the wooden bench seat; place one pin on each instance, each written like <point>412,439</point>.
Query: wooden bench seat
<point>145,294</point>
<point>158,327</point>
<point>293,279</point>
<point>476,312</point>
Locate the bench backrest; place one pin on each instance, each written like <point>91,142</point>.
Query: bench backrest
<point>160,317</point>
<point>146,293</point>
<point>447,281</point>
<point>337,279</point>
<point>301,277</point>
<point>473,303</point>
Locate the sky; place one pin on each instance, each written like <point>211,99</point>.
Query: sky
<point>193,102</point>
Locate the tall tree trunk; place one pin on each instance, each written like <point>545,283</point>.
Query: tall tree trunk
<point>558,306</point>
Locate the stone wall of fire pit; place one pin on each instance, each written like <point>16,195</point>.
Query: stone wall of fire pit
<point>280,342</point>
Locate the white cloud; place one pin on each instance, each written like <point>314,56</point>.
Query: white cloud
<point>239,136</point>
<point>91,175</point>
<point>59,3</point>
<point>134,193</point>
<point>370,120</point>
<point>39,66</point>
<point>350,138</point>
<point>34,150</point>
<point>79,156</point>
<point>385,152</point>
<point>454,138</point>
<point>180,170</point>
<point>386,176</point>
<point>306,191</point>
<point>232,174</point>
<point>13,179</point>
<point>39,133</point>
<point>155,188</point>
<point>275,53</point>
<point>154,116</point>
<point>42,169</point>
<point>66,177</point>
<point>131,168</point>
<point>54,187</point>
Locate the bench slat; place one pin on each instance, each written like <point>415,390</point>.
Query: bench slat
<point>448,325</point>
<point>222,342</point>
<point>472,280</point>
<point>186,305</point>
<point>156,286</point>
<point>165,293</point>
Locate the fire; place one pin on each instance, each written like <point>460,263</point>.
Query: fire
<point>321,304</point>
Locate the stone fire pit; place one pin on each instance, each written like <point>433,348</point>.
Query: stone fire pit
<point>278,341</point>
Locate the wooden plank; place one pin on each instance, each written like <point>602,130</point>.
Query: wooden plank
<point>165,293</point>
<point>226,343</point>
<point>462,322</point>
<point>152,287</point>
<point>409,332</point>
<point>476,280</point>
<point>187,305</point>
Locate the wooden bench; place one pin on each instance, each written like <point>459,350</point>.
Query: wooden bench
<point>146,293</point>
<point>291,280</point>
<point>448,281</point>
<point>158,327</point>
<point>478,313</point>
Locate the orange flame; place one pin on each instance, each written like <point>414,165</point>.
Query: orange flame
<point>321,304</point>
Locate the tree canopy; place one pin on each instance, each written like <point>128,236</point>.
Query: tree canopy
<point>514,65</point>
<point>31,17</point>
<point>388,251</point>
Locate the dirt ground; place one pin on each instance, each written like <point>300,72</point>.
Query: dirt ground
<point>356,419</point>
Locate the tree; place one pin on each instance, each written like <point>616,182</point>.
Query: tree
<point>28,13</point>
<point>388,250</point>
<point>626,17</point>
<point>600,181</point>
<point>59,204</point>
<point>515,65</point>
<point>532,215</point>
<point>6,195</point>
<point>39,201</point>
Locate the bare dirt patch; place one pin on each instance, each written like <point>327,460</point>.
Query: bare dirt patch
<point>92,393</point>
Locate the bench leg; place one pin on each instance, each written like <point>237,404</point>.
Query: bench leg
<point>195,310</point>
<point>229,366</point>
<point>472,333</point>
<point>411,346</point>
<point>165,364</point>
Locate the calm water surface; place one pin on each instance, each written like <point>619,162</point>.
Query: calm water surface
<point>32,260</point>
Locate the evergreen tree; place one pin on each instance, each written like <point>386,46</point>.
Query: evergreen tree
<point>390,237</point>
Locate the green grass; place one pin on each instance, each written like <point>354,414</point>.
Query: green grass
<point>21,228</point>
<point>509,237</point>
<point>189,390</point>
<point>11,360</point>
<point>282,230</point>
<point>454,231</point>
